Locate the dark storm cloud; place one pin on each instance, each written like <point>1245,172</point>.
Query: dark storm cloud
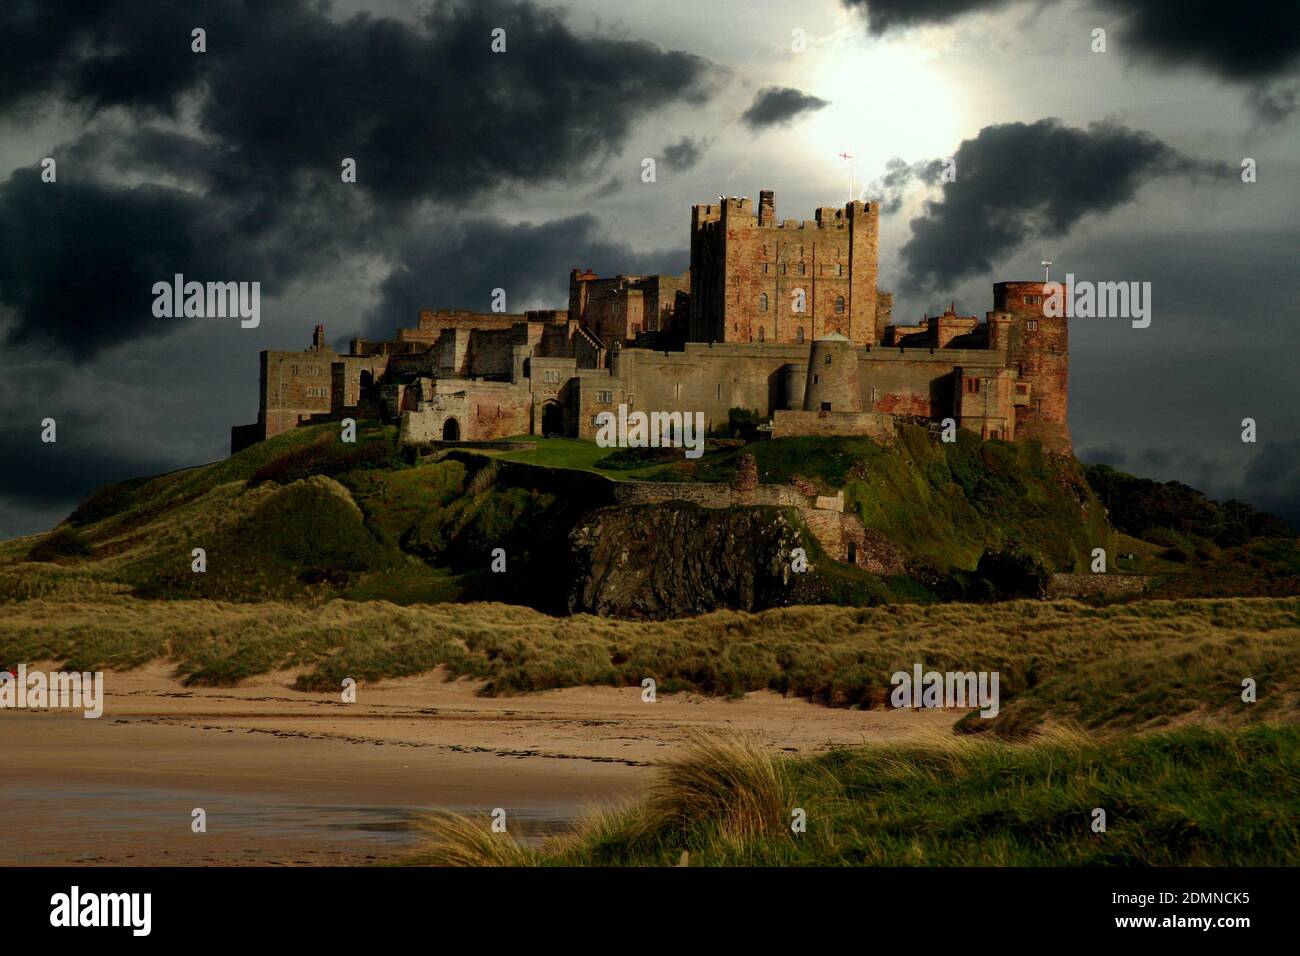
<point>281,96</point>
<point>531,262</point>
<point>35,473</point>
<point>683,154</point>
<point>886,15</point>
<point>1272,480</point>
<point>1250,44</point>
<point>774,105</point>
<point>888,190</point>
<point>1019,181</point>
<point>78,260</point>
<point>426,110</point>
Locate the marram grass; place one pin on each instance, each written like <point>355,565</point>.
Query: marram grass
<point>1143,665</point>
<point>1192,797</point>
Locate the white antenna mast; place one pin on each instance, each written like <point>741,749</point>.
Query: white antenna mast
<point>1047,270</point>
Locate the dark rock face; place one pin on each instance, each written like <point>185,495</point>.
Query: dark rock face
<point>665,561</point>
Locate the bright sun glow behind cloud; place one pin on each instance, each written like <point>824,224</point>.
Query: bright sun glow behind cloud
<point>887,98</point>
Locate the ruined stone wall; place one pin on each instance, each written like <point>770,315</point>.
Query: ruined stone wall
<point>482,412</point>
<point>706,495</point>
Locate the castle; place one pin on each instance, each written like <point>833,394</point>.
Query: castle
<point>781,318</point>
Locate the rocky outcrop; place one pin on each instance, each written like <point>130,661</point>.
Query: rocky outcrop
<point>678,559</point>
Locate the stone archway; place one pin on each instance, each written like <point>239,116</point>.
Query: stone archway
<point>552,420</point>
<point>451,430</point>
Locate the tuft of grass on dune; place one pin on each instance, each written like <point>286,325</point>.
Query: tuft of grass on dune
<point>1192,797</point>
<point>1137,665</point>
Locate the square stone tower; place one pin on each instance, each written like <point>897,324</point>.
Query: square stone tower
<point>755,279</point>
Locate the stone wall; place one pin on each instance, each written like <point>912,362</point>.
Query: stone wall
<point>1095,585</point>
<point>788,424</point>
<point>481,411</point>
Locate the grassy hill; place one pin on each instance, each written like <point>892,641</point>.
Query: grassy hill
<point>304,516</point>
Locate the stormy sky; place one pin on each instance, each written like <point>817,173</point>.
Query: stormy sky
<point>478,170</point>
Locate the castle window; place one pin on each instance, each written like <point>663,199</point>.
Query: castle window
<point>293,370</point>
<point>1033,325</point>
<point>719,390</point>
<point>1022,389</point>
<point>828,359</point>
<point>604,397</point>
<point>803,268</point>
<point>826,406</point>
<point>783,268</point>
<point>839,269</point>
<point>762,302</point>
<point>816,378</point>
<point>839,305</point>
<point>764,268</point>
<point>761,334</point>
<point>798,336</point>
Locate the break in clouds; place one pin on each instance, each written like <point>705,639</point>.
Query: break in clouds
<point>1256,45</point>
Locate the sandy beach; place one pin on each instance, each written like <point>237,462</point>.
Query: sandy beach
<point>293,778</point>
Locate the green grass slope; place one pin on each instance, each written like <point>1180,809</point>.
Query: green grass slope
<point>1188,798</point>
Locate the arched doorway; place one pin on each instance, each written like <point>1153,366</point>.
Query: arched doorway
<point>451,430</point>
<point>552,420</point>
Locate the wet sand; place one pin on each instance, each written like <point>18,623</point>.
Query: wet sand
<point>293,778</point>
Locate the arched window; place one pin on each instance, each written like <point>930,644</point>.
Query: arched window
<point>803,268</point>
<point>799,335</point>
<point>762,335</point>
<point>762,302</point>
<point>839,305</point>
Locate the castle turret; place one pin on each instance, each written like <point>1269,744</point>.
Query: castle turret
<point>832,384</point>
<point>1038,351</point>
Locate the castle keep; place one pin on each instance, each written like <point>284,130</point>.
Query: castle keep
<point>781,318</point>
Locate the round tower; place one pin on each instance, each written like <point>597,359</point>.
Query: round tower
<point>1038,351</point>
<point>832,384</point>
